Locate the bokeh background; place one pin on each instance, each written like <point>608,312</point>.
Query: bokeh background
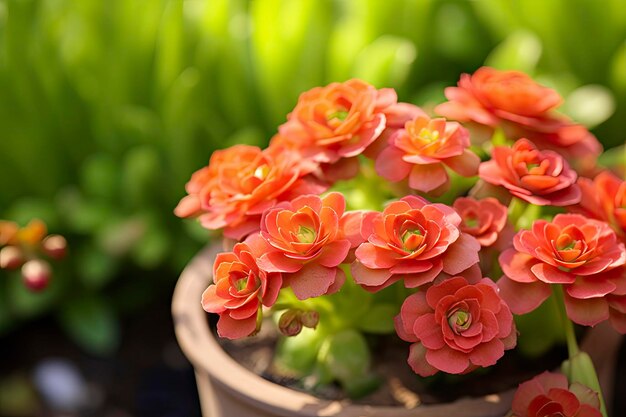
<point>107,107</point>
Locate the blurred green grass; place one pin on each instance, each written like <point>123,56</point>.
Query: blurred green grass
<point>107,107</point>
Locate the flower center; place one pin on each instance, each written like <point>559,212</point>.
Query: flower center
<point>340,115</point>
<point>471,221</point>
<point>241,284</point>
<point>459,321</point>
<point>262,171</point>
<point>428,136</point>
<point>305,235</point>
<point>412,239</point>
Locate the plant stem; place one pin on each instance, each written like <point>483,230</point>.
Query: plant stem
<point>579,367</point>
<point>568,326</point>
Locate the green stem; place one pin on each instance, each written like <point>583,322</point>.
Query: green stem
<point>516,210</point>
<point>579,367</point>
<point>568,326</point>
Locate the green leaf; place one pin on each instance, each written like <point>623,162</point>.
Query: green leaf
<point>520,51</point>
<point>141,175</point>
<point>539,330</point>
<point>386,61</point>
<point>589,105</point>
<point>94,267</point>
<point>379,319</point>
<point>346,353</point>
<point>100,176</point>
<point>92,324</point>
<point>25,303</point>
<point>297,354</point>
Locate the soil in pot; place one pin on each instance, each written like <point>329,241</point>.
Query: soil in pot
<point>399,386</point>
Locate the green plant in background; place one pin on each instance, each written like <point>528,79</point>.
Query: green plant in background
<point>107,107</point>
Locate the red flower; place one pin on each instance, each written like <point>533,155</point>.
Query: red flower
<point>412,240</point>
<point>581,254</point>
<point>303,240</point>
<point>514,102</point>
<point>339,120</point>
<point>239,289</point>
<point>484,219</point>
<point>604,198</point>
<point>456,327</point>
<point>239,184</point>
<point>422,149</point>
<point>548,395</point>
<point>539,177</point>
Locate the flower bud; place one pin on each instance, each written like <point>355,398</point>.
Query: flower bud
<point>11,257</point>
<point>289,323</point>
<point>309,318</point>
<point>36,274</point>
<point>55,246</point>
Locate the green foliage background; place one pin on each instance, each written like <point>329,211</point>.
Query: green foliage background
<point>107,107</point>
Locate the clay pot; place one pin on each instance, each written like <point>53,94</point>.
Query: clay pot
<point>229,390</point>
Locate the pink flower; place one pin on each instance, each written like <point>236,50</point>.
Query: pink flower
<point>412,240</point>
<point>604,198</point>
<point>511,100</point>
<point>456,327</point>
<point>239,184</point>
<point>421,151</point>
<point>538,177</point>
<point>396,116</point>
<point>339,120</point>
<point>581,254</point>
<point>239,289</point>
<point>484,219</point>
<point>303,240</point>
<point>548,395</point>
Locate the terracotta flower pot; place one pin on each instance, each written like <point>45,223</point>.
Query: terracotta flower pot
<point>229,390</point>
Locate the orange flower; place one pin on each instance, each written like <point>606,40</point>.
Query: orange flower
<point>239,289</point>
<point>514,102</point>
<point>339,120</point>
<point>604,198</point>
<point>420,151</point>
<point>304,241</point>
<point>539,177</point>
<point>239,184</point>
<point>484,219</point>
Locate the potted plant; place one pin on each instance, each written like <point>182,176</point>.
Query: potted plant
<point>367,220</point>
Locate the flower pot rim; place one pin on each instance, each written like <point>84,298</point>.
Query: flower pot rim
<point>204,352</point>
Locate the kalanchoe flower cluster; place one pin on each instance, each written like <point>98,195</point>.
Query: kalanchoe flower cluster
<point>240,289</point>
<point>550,394</point>
<point>538,177</point>
<point>26,247</point>
<point>413,241</point>
<point>421,151</point>
<point>604,198</point>
<point>484,219</point>
<point>513,102</point>
<point>581,254</point>
<point>455,326</point>
<point>297,238</point>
